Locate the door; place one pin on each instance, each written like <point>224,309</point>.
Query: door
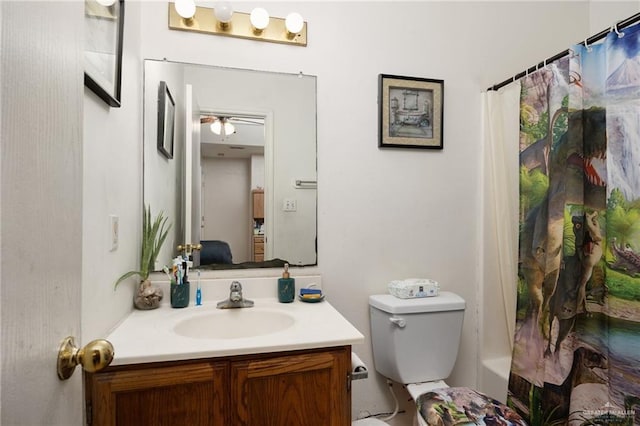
<point>192,171</point>
<point>41,208</point>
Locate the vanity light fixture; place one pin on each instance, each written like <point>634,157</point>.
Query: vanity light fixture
<point>223,20</point>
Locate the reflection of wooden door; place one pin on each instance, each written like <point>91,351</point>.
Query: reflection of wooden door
<point>41,198</point>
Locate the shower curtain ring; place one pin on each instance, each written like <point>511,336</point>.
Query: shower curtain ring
<point>615,28</point>
<point>586,44</point>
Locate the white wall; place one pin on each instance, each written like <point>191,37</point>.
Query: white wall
<point>112,184</point>
<point>163,177</point>
<point>603,14</point>
<point>382,214</point>
<point>227,208</point>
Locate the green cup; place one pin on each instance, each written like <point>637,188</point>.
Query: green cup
<point>180,295</point>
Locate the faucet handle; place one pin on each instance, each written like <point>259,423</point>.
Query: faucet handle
<point>236,286</point>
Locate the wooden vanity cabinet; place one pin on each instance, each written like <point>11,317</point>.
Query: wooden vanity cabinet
<point>300,388</point>
<point>258,248</point>
<point>186,393</point>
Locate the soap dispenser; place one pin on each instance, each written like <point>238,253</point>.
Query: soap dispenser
<point>286,286</point>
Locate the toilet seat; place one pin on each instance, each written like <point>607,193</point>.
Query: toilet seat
<point>464,403</point>
<point>417,389</point>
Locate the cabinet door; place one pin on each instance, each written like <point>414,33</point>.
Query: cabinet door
<point>192,394</point>
<point>308,389</point>
<point>258,204</point>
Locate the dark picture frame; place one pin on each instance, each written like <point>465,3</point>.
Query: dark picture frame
<point>166,120</point>
<point>411,112</point>
<point>104,26</point>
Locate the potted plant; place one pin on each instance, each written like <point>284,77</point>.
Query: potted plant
<point>153,236</point>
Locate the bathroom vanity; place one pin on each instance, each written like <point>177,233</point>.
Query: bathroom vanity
<point>309,387</point>
<point>273,364</point>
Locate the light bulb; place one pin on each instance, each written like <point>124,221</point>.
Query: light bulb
<point>259,18</point>
<point>185,8</point>
<point>228,128</point>
<point>106,3</point>
<point>216,127</point>
<point>294,23</point>
<point>223,12</point>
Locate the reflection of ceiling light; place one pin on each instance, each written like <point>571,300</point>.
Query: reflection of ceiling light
<point>221,126</point>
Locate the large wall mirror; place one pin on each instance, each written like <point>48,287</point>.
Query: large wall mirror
<point>242,177</point>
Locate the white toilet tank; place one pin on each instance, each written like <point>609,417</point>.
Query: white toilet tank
<point>416,340</point>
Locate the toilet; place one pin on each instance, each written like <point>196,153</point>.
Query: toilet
<point>415,342</point>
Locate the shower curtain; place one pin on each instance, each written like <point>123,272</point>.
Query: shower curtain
<point>576,357</point>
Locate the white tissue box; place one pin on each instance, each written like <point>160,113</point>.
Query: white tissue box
<point>414,287</point>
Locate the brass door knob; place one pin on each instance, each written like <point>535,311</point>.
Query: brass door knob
<point>189,247</point>
<point>95,356</point>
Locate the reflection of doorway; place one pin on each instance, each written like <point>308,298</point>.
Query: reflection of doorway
<point>227,206</point>
<point>232,165</point>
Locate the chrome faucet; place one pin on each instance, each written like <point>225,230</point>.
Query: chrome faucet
<point>235,300</point>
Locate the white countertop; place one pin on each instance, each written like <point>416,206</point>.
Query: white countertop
<point>148,336</point>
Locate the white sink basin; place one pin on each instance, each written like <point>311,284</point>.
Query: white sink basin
<point>234,323</point>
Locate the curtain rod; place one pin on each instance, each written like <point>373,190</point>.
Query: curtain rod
<point>602,34</point>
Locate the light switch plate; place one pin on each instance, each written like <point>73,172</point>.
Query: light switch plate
<point>114,232</point>
<point>289,205</point>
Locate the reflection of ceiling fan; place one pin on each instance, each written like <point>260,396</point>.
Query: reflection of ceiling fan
<point>221,125</point>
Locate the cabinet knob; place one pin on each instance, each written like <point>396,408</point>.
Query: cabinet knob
<point>95,356</point>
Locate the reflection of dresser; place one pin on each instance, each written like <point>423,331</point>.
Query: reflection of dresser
<point>257,248</point>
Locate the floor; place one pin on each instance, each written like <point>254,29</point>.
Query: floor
<point>405,416</point>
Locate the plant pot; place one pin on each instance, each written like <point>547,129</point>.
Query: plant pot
<point>148,296</point>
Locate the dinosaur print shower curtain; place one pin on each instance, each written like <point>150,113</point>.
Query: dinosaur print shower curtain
<point>576,357</point>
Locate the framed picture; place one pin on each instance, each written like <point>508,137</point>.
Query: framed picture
<point>103,48</point>
<point>411,112</point>
<point>166,119</point>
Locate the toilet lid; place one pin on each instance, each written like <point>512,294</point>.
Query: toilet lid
<point>445,301</point>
